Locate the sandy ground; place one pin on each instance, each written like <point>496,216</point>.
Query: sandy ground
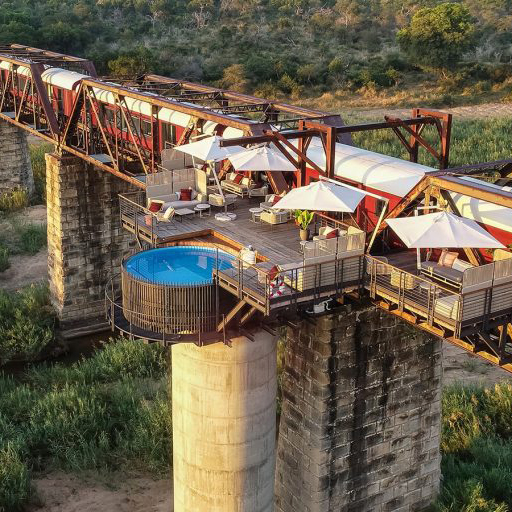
<point>59,492</point>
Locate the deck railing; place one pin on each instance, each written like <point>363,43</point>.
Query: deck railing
<point>328,269</point>
<point>136,217</point>
<point>486,294</point>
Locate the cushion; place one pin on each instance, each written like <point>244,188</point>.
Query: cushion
<point>186,194</point>
<point>155,205</point>
<point>238,178</point>
<point>447,258</point>
<point>168,213</point>
<point>331,234</point>
<point>276,198</point>
<point>245,182</point>
<point>273,272</point>
<point>328,229</point>
<point>461,265</point>
<point>194,193</point>
<point>446,272</point>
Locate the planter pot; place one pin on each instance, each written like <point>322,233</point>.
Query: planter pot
<point>304,234</point>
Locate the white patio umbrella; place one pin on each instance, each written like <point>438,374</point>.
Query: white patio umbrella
<point>209,149</point>
<point>442,229</point>
<point>321,196</point>
<point>262,158</point>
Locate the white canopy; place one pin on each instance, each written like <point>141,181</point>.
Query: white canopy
<point>442,229</point>
<point>263,158</point>
<point>209,149</point>
<point>321,196</point>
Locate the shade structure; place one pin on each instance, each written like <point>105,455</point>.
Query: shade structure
<point>209,149</point>
<point>321,196</point>
<point>263,158</point>
<point>442,229</point>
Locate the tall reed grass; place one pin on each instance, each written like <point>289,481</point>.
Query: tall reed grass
<point>108,412</point>
<point>37,159</point>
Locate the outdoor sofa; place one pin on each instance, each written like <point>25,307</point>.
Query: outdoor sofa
<point>237,184</point>
<point>449,269</point>
<point>164,193</point>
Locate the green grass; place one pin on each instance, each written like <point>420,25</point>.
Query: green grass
<point>109,412</point>
<point>14,200</point>
<point>477,450</point>
<point>4,258</point>
<point>472,141</point>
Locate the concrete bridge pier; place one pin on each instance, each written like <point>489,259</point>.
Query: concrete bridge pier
<point>15,167</point>
<point>360,422</point>
<point>86,242</point>
<point>224,425</point>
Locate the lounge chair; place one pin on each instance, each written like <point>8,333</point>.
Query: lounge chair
<point>219,201</point>
<point>237,184</point>
<point>274,217</point>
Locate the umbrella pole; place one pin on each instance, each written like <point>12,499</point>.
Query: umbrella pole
<point>219,187</point>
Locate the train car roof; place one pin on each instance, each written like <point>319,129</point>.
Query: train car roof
<point>374,170</point>
<point>62,78</point>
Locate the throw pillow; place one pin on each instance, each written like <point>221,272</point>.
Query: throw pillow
<point>155,206</point>
<point>273,272</point>
<point>193,193</point>
<point>185,194</point>
<point>447,258</point>
<point>238,178</point>
<point>276,199</point>
<point>331,234</point>
<point>327,229</point>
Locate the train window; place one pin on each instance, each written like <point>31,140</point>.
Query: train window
<point>146,127</point>
<point>168,134</point>
<point>109,114</point>
<point>379,206</point>
<point>60,101</point>
<point>136,122</point>
<point>22,82</point>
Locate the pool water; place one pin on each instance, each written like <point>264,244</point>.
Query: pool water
<point>178,266</point>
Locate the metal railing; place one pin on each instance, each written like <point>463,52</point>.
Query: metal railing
<point>136,217</point>
<point>158,324</point>
<point>268,287</point>
<point>485,293</point>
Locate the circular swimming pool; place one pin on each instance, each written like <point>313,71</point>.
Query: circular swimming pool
<point>171,290</point>
<point>179,265</point>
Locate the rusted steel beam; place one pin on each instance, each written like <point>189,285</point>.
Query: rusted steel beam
<point>471,189</point>
<point>202,113</point>
<point>259,139</point>
<point>36,70</point>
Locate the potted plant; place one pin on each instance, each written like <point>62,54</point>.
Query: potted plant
<point>303,219</point>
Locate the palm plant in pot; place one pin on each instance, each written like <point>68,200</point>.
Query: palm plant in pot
<point>303,219</point>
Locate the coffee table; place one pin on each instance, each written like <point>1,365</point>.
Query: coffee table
<point>256,214</point>
<point>183,212</point>
<point>202,209</point>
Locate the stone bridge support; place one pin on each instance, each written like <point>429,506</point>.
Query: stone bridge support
<point>86,242</point>
<point>15,167</point>
<point>360,422</point>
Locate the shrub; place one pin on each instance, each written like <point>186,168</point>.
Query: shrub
<point>15,488</point>
<point>14,200</point>
<point>26,323</point>
<point>33,237</point>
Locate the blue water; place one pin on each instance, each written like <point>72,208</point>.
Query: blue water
<point>178,266</point>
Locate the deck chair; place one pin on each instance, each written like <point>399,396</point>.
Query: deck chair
<point>167,216</point>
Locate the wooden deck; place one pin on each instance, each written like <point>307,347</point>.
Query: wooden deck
<point>279,243</point>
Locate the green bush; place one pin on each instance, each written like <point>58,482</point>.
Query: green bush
<point>26,323</point>
<point>32,238</point>
<point>15,487</point>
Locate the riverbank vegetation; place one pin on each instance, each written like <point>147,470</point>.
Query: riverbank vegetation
<point>109,412</point>
<point>369,52</point>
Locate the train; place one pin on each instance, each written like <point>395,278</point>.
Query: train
<point>389,177</point>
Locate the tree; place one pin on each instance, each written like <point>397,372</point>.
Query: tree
<point>437,37</point>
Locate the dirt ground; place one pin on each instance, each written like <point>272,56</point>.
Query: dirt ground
<point>59,492</point>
